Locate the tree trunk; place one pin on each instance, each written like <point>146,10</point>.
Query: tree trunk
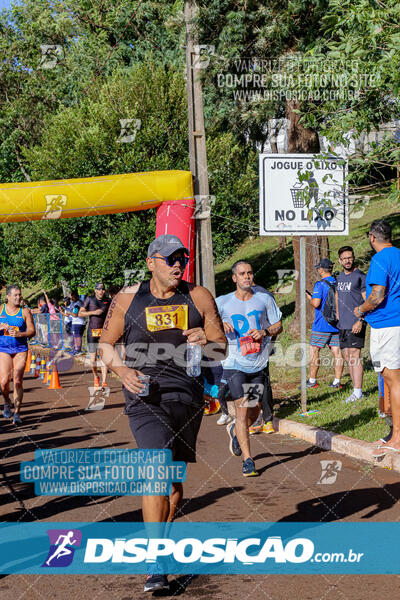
<point>316,248</point>
<point>65,288</point>
<point>274,127</point>
<point>304,141</point>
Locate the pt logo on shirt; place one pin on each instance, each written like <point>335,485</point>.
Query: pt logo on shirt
<point>242,323</point>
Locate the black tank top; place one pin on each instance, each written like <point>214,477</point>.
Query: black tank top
<point>143,350</point>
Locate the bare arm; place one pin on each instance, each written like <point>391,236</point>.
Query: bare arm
<point>30,326</point>
<point>212,335</point>
<point>337,304</point>
<point>275,329</point>
<point>315,302</point>
<point>88,313</point>
<point>113,329</point>
<point>375,298</point>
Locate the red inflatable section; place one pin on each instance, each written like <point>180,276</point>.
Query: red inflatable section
<point>176,218</point>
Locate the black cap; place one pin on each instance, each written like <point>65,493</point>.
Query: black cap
<point>325,263</point>
<point>166,245</point>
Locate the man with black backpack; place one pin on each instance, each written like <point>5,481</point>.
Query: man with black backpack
<point>324,333</point>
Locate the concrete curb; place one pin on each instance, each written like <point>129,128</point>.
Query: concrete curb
<point>327,440</point>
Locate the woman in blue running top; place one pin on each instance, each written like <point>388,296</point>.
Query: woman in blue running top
<point>16,326</point>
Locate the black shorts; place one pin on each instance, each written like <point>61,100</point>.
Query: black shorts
<point>92,342</point>
<point>348,339</point>
<point>241,384</point>
<point>171,423</point>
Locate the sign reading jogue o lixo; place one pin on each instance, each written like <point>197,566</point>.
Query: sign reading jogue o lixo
<point>317,205</point>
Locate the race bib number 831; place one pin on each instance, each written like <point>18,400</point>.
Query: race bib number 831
<point>174,316</point>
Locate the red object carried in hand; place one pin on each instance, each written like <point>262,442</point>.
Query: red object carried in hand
<point>249,346</point>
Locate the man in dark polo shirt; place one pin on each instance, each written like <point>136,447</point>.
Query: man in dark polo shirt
<point>95,307</point>
<point>351,293</point>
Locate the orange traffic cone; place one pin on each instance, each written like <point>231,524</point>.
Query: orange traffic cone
<point>28,362</point>
<point>55,381</point>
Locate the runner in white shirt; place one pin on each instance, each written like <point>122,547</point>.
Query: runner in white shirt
<point>249,318</point>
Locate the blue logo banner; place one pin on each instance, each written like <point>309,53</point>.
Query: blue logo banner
<point>196,548</point>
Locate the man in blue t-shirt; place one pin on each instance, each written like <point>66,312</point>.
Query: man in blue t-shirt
<point>382,313</point>
<point>250,317</point>
<point>322,333</point>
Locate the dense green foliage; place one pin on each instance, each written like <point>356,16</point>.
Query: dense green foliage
<point>124,59</point>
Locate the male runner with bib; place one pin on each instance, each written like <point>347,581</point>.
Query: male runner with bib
<point>156,319</point>
<point>95,307</point>
<point>16,326</point>
<point>250,317</point>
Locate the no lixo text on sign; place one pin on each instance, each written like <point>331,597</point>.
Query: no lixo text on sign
<point>303,194</point>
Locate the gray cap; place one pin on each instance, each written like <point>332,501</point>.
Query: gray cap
<point>166,245</point>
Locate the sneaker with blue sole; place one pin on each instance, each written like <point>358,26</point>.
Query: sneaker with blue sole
<point>17,419</point>
<point>7,414</point>
<point>249,468</point>
<point>234,445</point>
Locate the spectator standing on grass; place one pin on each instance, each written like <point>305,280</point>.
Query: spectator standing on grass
<point>323,334</point>
<point>351,293</point>
<point>381,310</point>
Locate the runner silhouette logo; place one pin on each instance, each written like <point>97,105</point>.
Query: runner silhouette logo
<point>62,547</point>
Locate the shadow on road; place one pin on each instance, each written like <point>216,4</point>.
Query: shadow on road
<point>341,505</point>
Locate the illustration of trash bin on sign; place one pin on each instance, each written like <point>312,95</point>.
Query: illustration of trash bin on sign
<point>297,191</point>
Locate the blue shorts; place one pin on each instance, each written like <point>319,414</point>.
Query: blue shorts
<point>324,338</point>
<point>77,330</point>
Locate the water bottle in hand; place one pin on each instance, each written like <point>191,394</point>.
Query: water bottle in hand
<point>193,360</point>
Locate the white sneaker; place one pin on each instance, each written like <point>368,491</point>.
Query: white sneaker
<point>224,419</point>
<point>352,398</point>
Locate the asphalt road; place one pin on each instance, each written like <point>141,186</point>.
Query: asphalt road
<point>287,490</point>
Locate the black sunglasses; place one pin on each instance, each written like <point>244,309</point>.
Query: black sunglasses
<point>171,260</point>
<point>368,233</point>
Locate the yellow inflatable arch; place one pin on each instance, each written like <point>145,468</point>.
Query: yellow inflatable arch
<point>65,198</point>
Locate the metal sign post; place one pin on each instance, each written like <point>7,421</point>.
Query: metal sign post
<point>303,318</point>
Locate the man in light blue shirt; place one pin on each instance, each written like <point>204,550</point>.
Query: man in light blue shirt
<point>249,318</point>
<point>382,313</point>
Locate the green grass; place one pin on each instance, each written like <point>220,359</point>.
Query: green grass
<point>359,420</point>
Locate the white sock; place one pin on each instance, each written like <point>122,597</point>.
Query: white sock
<point>335,381</point>
<point>357,392</point>
<point>311,380</point>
